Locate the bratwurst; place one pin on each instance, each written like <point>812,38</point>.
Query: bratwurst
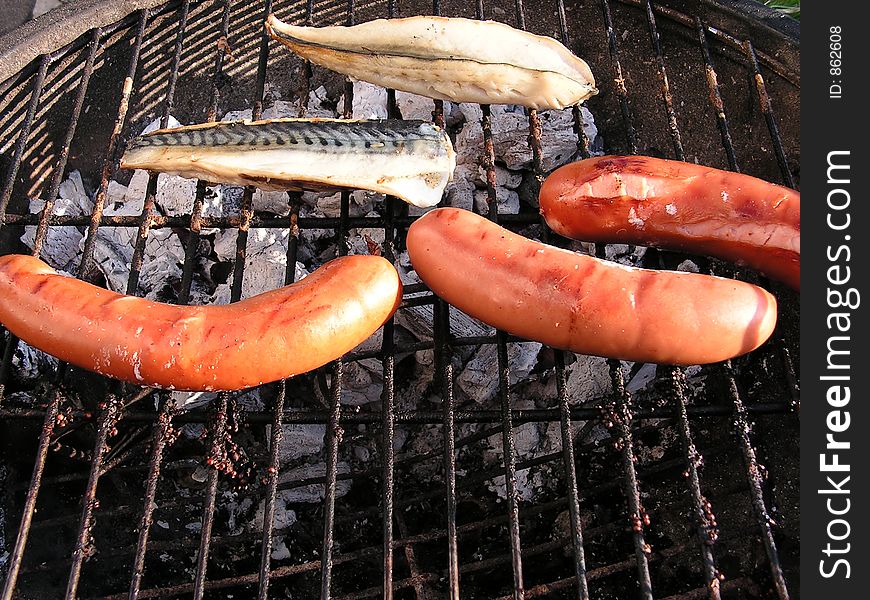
<point>268,337</point>
<point>583,304</point>
<point>678,206</point>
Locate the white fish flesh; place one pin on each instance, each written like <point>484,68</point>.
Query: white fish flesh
<point>456,59</point>
<point>412,160</point>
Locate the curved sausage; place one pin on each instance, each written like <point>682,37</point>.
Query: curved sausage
<point>583,304</point>
<point>268,337</point>
<point>678,206</point>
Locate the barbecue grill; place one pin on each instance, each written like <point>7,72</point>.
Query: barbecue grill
<point>660,491</point>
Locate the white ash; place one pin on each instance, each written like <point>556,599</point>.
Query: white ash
<point>32,364</point>
<point>265,261</point>
<point>369,101</point>
<point>318,105</point>
<point>643,377</point>
<point>300,440</point>
<point>478,381</point>
<point>313,492</point>
<point>61,246</point>
<point>362,382</point>
<point>507,201</point>
<point>688,266</point>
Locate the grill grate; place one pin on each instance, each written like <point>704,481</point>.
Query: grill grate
<point>431,561</point>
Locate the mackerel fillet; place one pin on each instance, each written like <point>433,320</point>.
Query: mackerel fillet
<point>456,59</point>
<point>412,160</point>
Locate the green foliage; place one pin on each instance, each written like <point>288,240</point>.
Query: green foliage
<point>789,7</point>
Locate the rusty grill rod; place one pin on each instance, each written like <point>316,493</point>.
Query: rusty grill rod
<point>388,392</point>
<point>701,509</point>
<point>217,454</point>
<point>444,374</point>
<point>276,437</point>
<point>741,423</point>
<point>334,430</point>
<point>618,409</point>
<point>504,393</point>
<point>111,409</point>
<point>12,341</point>
<point>162,435</point>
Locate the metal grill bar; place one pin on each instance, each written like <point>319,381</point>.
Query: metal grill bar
<point>12,341</point>
<point>6,194</point>
<point>767,111</point>
<point>741,423</point>
<point>110,414</point>
<point>277,435</point>
<point>334,431</point>
<point>619,409</point>
<point>673,128</point>
<point>30,500</point>
<point>503,364</point>
<point>619,79</point>
<point>705,522</point>
<point>388,393</point>
<point>715,96</point>
<point>217,458</point>
<point>24,134</point>
<point>163,430</point>
<point>754,473</point>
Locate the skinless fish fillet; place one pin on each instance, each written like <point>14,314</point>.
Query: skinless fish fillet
<point>412,160</point>
<point>456,59</point>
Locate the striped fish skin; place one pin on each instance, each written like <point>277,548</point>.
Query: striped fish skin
<point>447,58</point>
<point>412,160</point>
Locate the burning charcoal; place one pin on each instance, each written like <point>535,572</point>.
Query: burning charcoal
<point>527,445</point>
<point>362,382</point>
<point>357,238</point>
<point>414,106</point>
<point>312,492</point>
<point>642,378</point>
<point>277,203</point>
<point>155,125</point>
<point>510,130</point>
<point>191,400</point>
<point>318,106</point>
<point>508,201</point>
<point>625,254</point>
<point>265,261</point>
<point>588,379</point>
<point>503,177</point>
<point>61,246</point>
<point>477,381</point>
<point>300,440</point>
<point>30,363</point>
<point>369,101</point>
<point>688,266</point>
<point>281,109</point>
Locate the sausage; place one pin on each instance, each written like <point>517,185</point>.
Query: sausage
<point>583,304</point>
<point>264,338</point>
<point>678,206</point>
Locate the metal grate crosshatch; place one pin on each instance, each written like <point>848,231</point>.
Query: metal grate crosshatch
<point>671,83</point>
